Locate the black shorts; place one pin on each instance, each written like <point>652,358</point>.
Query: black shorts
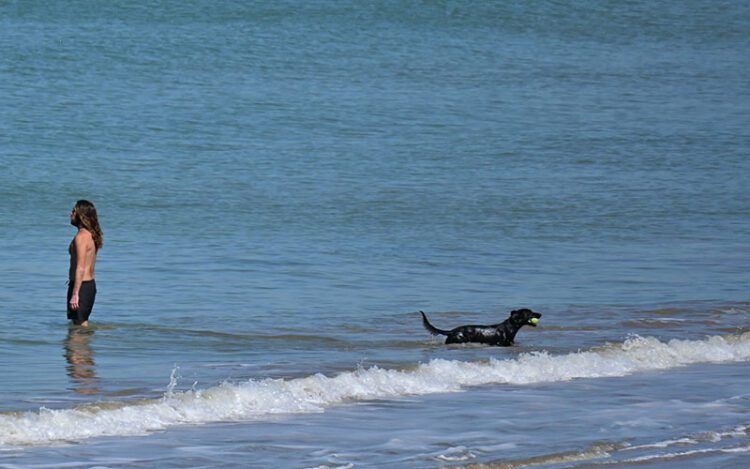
<point>86,297</point>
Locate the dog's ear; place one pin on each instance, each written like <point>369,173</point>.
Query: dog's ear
<point>522,311</point>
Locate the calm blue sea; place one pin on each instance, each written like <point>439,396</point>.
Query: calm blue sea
<point>284,185</point>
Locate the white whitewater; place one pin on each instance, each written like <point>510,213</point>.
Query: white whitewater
<point>257,399</point>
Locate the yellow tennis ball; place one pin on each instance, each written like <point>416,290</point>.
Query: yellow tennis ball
<point>534,321</point>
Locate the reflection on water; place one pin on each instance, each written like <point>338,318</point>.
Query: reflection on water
<point>80,357</point>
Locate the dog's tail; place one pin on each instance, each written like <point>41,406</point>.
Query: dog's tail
<point>433,330</point>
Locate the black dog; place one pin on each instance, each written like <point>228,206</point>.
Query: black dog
<point>496,334</point>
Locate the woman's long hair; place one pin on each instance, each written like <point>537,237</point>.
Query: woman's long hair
<point>87,218</point>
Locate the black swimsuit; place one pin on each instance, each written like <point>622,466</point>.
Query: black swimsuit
<point>86,297</point>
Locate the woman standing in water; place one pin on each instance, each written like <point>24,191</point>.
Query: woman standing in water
<point>83,250</point>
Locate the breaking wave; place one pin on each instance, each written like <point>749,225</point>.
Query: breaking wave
<point>258,399</point>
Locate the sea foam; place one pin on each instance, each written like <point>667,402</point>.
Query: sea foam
<point>258,399</point>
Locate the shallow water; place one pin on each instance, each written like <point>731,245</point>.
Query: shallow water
<point>283,188</point>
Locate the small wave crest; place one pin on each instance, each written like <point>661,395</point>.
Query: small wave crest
<point>258,399</point>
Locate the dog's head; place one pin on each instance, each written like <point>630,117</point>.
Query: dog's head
<point>525,317</point>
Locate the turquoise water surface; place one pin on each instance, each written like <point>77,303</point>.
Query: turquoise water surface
<point>284,185</point>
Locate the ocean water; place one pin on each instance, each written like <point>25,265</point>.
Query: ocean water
<point>284,185</point>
